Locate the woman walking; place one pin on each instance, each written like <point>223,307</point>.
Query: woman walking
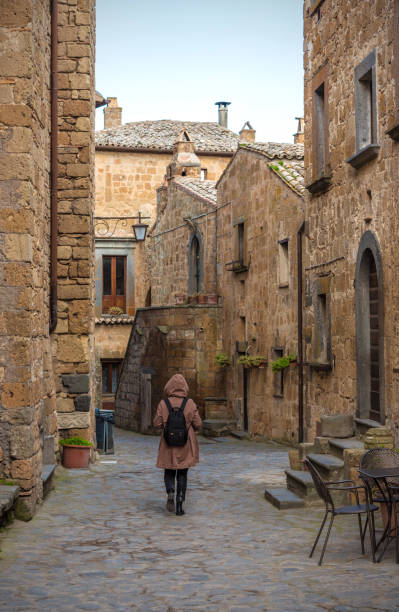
<point>179,428</point>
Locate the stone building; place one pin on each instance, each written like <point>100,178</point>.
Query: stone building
<point>181,331</point>
<point>131,162</point>
<point>46,235</point>
<point>351,59</point>
<point>260,208</point>
<point>223,279</point>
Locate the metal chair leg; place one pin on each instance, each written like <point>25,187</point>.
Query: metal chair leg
<point>361,533</point>
<point>326,540</point>
<point>370,521</point>
<point>319,534</point>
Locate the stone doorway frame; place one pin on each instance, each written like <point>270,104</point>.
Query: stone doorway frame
<point>368,243</point>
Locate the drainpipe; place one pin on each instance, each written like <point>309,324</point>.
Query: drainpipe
<point>54,166</point>
<point>300,233</point>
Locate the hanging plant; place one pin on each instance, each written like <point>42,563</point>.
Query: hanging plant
<point>222,360</point>
<point>283,362</point>
<point>252,361</point>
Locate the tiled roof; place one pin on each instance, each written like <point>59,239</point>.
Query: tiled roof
<point>274,150</point>
<point>291,171</point>
<point>287,161</point>
<point>206,190</point>
<point>162,135</point>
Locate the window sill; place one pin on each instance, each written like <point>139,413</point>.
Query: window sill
<point>279,395</point>
<point>393,132</point>
<point>283,286</point>
<point>363,156</point>
<point>325,366</point>
<point>322,183</point>
<point>236,266</point>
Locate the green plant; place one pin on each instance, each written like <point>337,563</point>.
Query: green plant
<point>221,359</point>
<point>76,441</point>
<point>252,361</point>
<point>7,483</point>
<point>115,310</point>
<point>282,362</point>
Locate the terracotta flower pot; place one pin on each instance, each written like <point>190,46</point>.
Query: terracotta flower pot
<point>180,299</point>
<point>212,298</point>
<point>192,299</point>
<point>75,456</point>
<point>202,299</point>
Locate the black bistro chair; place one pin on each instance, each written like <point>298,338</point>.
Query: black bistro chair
<point>324,490</point>
<point>383,492</point>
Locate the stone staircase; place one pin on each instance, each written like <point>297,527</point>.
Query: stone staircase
<point>218,421</point>
<point>333,455</point>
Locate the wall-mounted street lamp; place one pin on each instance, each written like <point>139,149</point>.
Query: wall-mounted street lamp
<point>140,228</point>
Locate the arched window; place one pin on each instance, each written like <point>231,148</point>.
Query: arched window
<point>369,330</point>
<point>195,264</point>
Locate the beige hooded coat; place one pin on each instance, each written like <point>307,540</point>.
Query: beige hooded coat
<point>178,457</point>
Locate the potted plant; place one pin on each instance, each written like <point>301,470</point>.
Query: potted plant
<point>222,360</point>
<point>252,361</point>
<point>115,311</point>
<point>212,298</point>
<point>193,298</point>
<point>202,298</point>
<point>76,452</point>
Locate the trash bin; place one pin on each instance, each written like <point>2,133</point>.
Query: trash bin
<point>105,431</point>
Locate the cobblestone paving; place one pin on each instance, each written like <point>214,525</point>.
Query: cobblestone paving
<point>104,541</point>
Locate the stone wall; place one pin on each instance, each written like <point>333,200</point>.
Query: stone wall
<point>259,311</point>
<point>32,362</point>
<point>169,245</point>
<point>356,203</point>
<point>163,342</point>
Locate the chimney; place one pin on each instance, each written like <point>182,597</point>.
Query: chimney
<point>299,137</point>
<point>247,133</point>
<point>222,113</point>
<point>112,114</point>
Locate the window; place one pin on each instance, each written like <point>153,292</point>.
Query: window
<point>322,327</point>
<point>321,178</point>
<point>110,371</point>
<point>320,137</point>
<point>283,267</point>
<point>365,112</point>
<point>278,377</point>
<point>194,265</point>
<point>204,174</point>
<point>240,243</point>
<point>114,282</point>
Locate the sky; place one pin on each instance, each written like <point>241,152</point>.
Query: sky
<point>173,59</point>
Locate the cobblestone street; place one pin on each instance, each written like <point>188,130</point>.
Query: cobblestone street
<point>103,540</point>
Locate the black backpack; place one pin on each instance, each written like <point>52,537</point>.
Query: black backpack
<point>175,431</point>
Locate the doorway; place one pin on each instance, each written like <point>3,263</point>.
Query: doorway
<point>369,330</point>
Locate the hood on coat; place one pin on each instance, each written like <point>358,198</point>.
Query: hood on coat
<point>177,386</point>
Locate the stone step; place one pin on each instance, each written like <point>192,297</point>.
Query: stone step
<point>329,467</point>
<point>241,435</point>
<point>301,483</point>
<point>213,428</point>
<point>338,446</point>
<point>8,498</point>
<point>362,425</point>
<point>282,498</point>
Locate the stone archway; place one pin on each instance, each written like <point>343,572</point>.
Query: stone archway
<point>369,330</point>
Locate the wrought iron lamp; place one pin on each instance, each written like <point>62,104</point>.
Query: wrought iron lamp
<point>140,228</point>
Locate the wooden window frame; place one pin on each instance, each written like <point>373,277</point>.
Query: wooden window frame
<point>114,300</point>
<point>320,159</point>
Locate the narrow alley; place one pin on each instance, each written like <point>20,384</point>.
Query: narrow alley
<point>103,540</point>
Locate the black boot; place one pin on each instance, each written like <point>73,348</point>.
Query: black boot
<point>179,506</point>
<point>170,504</point>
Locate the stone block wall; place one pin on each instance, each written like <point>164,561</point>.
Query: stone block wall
<point>338,37</point>
<point>169,244</point>
<point>73,341</point>
<point>165,341</point>
<point>33,362</point>
<point>258,313</point>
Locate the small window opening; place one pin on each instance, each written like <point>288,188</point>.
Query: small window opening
<point>365,110</point>
<point>319,112</point>
<point>240,242</point>
<point>204,174</point>
<point>283,267</point>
